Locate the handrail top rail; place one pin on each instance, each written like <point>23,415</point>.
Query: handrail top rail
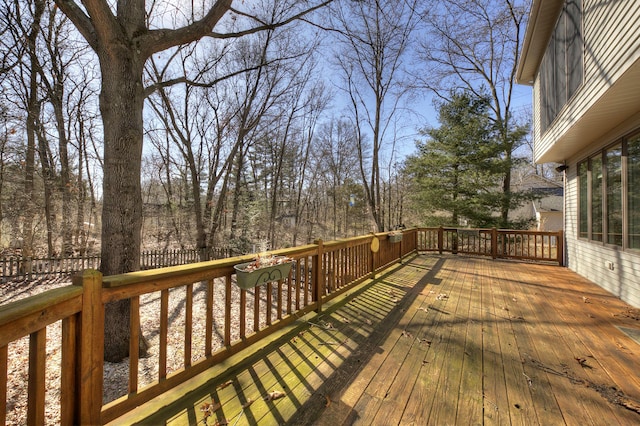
<point>140,277</point>
<point>13,311</point>
<point>503,230</point>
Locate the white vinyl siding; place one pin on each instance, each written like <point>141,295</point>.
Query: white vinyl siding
<point>611,34</point>
<point>592,259</point>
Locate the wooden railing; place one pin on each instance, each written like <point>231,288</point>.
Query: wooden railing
<point>320,272</point>
<point>497,243</point>
<point>230,320</point>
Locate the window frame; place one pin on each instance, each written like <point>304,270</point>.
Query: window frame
<point>586,221</point>
<point>562,65</point>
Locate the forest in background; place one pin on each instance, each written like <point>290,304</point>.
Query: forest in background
<point>277,136</point>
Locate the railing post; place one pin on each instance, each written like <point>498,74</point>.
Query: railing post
<point>374,248</point>
<point>494,243</point>
<point>560,247</point>
<point>90,349</point>
<point>440,239</point>
<point>318,288</point>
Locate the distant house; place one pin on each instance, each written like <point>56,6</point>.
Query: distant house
<point>547,207</point>
<point>582,58</point>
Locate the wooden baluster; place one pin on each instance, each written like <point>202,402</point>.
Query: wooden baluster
<point>4,359</point>
<point>188,325</point>
<point>243,313</point>
<point>269,302</point>
<point>227,310</point>
<point>256,309</point>
<point>164,330</point>
<point>134,343</point>
<point>209,325</point>
<point>37,382</point>
<point>67,370</point>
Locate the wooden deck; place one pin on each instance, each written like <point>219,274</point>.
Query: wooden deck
<point>440,340</point>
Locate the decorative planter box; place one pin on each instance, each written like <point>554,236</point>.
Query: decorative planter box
<point>395,238</point>
<point>251,278</point>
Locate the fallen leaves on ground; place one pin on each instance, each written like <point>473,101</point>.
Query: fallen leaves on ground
<point>442,296</point>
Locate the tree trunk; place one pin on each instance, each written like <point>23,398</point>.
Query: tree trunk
<point>121,105</point>
<point>65,175</point>
<point>33,111</point>
<point>48,178</point>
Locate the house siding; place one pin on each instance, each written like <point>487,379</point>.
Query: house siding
<point>589,258</point>
<point>611,33</point>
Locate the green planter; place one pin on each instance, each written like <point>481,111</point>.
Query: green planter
<point>255,277</point>
<point>395,238</point>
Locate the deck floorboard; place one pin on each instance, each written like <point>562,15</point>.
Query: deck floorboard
<point>438,340</point>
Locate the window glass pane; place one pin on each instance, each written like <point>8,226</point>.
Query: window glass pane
<point>574,46</point>
<point>596,198</point>
<point>614,195</point>
<point>633,188</point>
<point>559,42</point>
<point>583,212</point>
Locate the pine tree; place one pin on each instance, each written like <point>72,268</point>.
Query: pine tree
<point>458,170</point>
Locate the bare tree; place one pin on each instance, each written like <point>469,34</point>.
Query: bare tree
<point>375,36</point>
<point>338,162</point>
<point>124,36</point>
<point>318,100</point>
<point>474,46</point>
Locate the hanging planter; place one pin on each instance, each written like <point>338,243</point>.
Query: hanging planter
<point>262,270</point>
<point>395,237</point>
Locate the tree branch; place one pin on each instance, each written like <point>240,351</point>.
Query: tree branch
<point>80,19</point>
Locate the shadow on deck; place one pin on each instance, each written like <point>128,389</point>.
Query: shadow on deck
<point>437,340</point>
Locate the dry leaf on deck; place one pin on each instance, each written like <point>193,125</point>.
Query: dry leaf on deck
<point>368,321</point>
<point>225,384</point>
<point>274,395</point>
<point>328,403</point>
<point>442,296</point>
<point>208,408</point>
<point>346,320</point>
<point>248,403</point>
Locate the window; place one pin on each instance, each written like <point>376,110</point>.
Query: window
<point>562,67</point>
<point>583,194</point>
<point>609,195</point>
<point>596,197</point>
<point>614,194</point>
<point>633,188</point>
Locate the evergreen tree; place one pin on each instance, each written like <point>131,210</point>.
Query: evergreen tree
<point>457,170</point>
